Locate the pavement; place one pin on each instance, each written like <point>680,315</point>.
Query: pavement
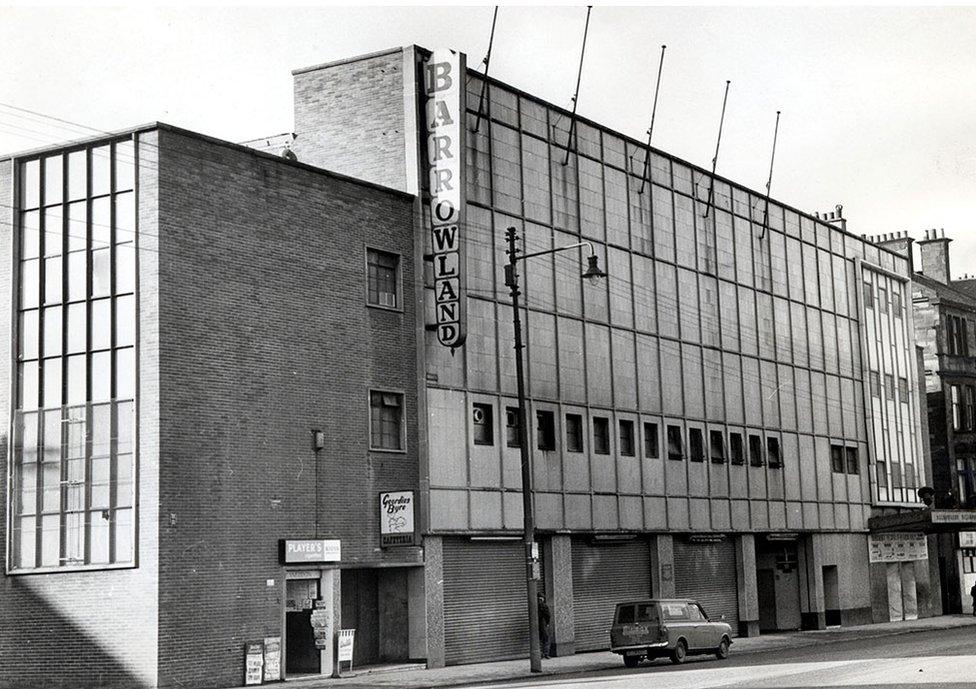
<point>417,677</point>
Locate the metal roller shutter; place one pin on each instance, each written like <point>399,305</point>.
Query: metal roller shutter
<point>604,575</point>
<point>485,615</point>
<point>706,572</point>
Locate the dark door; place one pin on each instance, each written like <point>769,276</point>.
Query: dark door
<point>766,583</point>
<point>301,655</point>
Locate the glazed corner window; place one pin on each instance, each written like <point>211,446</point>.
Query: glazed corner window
<point>382,278</point>
<point>716,446</point>
<point>696,445</point>
<point>755,450</point>
<point>73,462</point>
<point>511,426</point>
<point>882,300</point>
<point>651,447</point>
<point>837,459</point>
<point>482,424</point>
<point>773,456</point>
<point>545,423</point>
<point>601,435</point>
<point>626,438</point>
<point>737,456</point>
<point>868,296</point>
<point>385,420</point>
<point>675,448</point>
<point>852,463</point>
<point>574,433</point>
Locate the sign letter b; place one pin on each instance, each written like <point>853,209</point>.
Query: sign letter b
<point>438,77</point>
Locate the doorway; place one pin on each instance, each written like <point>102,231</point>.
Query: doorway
<point>375,603</point>
<point>778,581</point>
<point>831,584</point>
<point>301,654</point>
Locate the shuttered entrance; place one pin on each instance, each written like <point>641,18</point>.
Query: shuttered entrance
<point>485,616</point>
<point>706,572</point>
<point>605,574</point>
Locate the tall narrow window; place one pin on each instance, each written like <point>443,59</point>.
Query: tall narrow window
<point>481,422</point>
<point>852,463</point>
<point>874,379</point>
<point>545,423</point>
<point>601,435</point>
<point>512,426</point>
<point>675,446</point>
<point>868,296</point>
<point>755,450</point>
<point>574,433</point>
<point>773,456</point>
<point>716,446</point>
<point>626,438</point>
<point>385,420</point>
<point>696,445</point>
<point>956,410</point>
<point>882,300</point>
<point>896,305</point>
<point>382,279</point>
<point>889,387</point>
<point>837,459</point>
<point>651,447</point>
<point>736,453</point>
<point>73,461</point>
<point>903,390</point>
<point>970,408</point>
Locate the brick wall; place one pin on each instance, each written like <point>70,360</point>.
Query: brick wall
<point>349,118</point>
<point>265,336</point>
<point>94,628</point>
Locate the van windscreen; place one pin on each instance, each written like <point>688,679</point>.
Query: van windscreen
<point>625,614</point>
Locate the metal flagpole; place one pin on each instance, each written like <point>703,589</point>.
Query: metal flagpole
<point>721,122</point>
<point>769,181</point>
<point>650,131</point>
<point>579,76</point>
<point>487,63</point>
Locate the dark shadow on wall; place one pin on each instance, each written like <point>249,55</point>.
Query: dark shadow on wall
<point>40,649</point>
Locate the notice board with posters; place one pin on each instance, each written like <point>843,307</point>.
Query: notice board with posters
<point>897,547</point>
<point>253,663</point>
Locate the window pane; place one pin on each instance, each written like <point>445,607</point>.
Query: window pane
<point>51,439</point>
<point>101,272</point>
<point>125,321</point>
<point>31,184</point>
<point>124,165</point>
<point>25,543</point>
<point>125,219</point>
<point>27,390</point>
<point>74,547</point>
<point>51,486</point>
<point>52,331</point>
<point>52,280</point>
<point>101,430</point>
<point>99,536</point>
<point>101,170</point>
<point>101,376</point>
<point>77,275</point>
<point>123,491</point>
<point>101,324</point>
<point>123,433</point>
<point>100,480</point>
<point>101,222</point>
<point>77,226</point>
<point>125,386</point>
<point>30,236</point>
<point>29,287</point>
<point>125,276</point>
<point>27,438</point>
<point>123,536</point>
<point>28,339</point>
<point>26,488</point>
<point>77,329</point>
<point>53,228</point>
<point>52,382</point>
<point>77,387</point>
<point>77,176</point>
<point>53,180</point>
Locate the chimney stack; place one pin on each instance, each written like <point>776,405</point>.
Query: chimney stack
<point>900,243</point>
<point>834,217</point>
<point>934,250</point>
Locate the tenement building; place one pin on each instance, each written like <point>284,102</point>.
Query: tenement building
<point>261,394</point>
<point>945,326</point>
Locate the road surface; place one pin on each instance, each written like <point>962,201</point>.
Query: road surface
<point>943,659</point>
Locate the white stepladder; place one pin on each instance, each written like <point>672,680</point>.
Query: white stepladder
<point>345,642</point>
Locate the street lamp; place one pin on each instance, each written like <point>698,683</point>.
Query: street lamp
<point>593,274</point>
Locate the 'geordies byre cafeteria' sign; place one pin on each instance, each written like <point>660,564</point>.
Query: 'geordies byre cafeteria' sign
<point>444,89</point>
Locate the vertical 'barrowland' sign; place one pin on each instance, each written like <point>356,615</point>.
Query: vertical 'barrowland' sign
<point>444,89</point>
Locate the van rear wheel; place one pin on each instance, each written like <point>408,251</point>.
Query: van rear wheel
<point>680,652</point>
<point>632,661</point>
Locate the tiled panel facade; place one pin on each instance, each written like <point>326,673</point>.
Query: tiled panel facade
<point>709,322</point>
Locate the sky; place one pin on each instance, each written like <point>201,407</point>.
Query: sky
<point>878,104</point>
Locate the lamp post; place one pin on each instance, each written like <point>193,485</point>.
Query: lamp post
<point>592,273</point>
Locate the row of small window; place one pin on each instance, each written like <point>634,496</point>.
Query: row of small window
<point>843,459</point>
<point>80,174</point>
<point>963,417</point>
<point>874,379</point>
<point>957,335</point>
<point>484,434</point>
<point>882,299</point>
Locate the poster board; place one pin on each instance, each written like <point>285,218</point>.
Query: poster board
<point>253,663</point>
<point>272,659</point>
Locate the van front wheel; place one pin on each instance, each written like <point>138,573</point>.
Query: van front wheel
<point>679,653</point>
<point>722,652</point>
<point>632,661</point>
